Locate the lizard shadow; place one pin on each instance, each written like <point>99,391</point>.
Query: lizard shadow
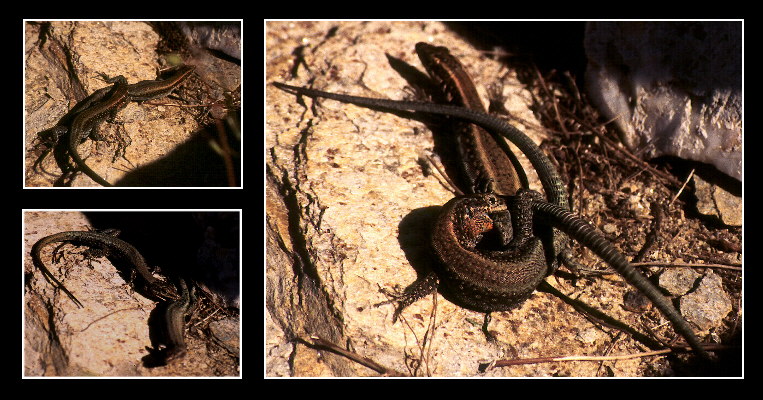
<point>414,231</point>
<point>201,161</point>
<point>156,356</point>
<point>200,247</point>
<point>180,244</point>
<point>55,144</point>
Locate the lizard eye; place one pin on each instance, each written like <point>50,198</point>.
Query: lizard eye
<point>468,212</point>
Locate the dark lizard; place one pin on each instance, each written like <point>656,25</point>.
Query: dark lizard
<point>50,137</point>
<point>105,103</point>
<point>552,184</point>
<point>582,231</point>
<point>490,280</point>
<point>175,325</point>
<point>485,279</point>
<point>106,243</point>
<point>88,120</point>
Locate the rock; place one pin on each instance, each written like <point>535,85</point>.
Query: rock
<point>713,200</point>
<point>708,305</point>
<point>679,281</point>
<point>673,88</point>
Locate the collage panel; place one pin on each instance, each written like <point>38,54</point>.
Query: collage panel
<point>504,199</point>
<point>132,103</point>
<point>131,293</point>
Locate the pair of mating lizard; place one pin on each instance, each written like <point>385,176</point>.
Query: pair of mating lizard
<point>106,243</point>
<point>497,200</point>
<point>83,119</point>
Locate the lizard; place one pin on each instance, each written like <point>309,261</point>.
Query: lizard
<point>175,324</point>
<point>483,157</point>
<point>104,243</point>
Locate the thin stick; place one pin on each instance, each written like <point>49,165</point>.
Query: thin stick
<point>691,174</point>
<point>731,266</point>
<point>366,362</point>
